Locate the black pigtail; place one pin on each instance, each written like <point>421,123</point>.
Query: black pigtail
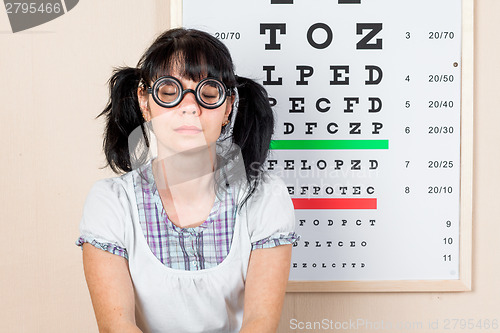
<point>253,127</point>
<point>123,115</point>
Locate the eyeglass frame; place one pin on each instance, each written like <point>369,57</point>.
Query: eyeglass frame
<point>154,93</point>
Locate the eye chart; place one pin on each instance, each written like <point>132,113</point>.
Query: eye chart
<point>373,132</point>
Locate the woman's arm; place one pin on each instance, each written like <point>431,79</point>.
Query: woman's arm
<point>111,290</point>
<point>265,287</point>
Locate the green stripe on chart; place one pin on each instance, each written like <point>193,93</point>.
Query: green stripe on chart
<point>329,144</point>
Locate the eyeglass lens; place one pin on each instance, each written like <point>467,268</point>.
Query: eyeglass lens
<point>209,92</point>
<point>168,91</point>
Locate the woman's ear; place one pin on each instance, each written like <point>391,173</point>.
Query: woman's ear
<point>229,106</point>
<point>143,98</point>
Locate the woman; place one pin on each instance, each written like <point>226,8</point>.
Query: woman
<point>195,236</point>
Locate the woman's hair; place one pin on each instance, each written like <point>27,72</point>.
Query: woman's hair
<point>192,54</point>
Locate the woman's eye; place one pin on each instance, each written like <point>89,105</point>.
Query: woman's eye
<point>211,96</point>
<point>168,91</point>
<point>210,92</point>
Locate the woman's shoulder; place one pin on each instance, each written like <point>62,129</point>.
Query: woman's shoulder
<point>128,178</point>
<point>117,187</point>
<point>272,179</point>
<point>110,185</point>
<point>270,209</point>
<point>270,192</point>
<point>106,213</point>
<point>106,194</point>
<point>270,185</point>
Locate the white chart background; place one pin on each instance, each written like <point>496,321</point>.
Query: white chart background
<point>415,235</point>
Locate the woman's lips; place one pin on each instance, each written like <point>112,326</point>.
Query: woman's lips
<point>188,130</point>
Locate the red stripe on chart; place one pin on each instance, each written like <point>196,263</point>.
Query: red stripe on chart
<point>337,203</point>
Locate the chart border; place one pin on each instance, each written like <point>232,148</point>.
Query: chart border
<point>464,283</point>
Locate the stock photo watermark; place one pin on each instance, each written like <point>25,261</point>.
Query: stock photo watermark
<point>24,15</point>
<point>364,325</point>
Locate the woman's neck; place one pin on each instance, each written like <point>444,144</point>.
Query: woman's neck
<point>185,184</point>
<point>189,174</point>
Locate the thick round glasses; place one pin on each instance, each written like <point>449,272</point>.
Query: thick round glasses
<point>168,92</point>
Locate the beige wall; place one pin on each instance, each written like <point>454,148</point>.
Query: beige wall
<point>53,84</point>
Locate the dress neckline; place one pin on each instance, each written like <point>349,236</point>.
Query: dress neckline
<point>231,256</point>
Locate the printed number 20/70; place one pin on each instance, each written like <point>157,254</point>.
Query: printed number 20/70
<point>227,35</point>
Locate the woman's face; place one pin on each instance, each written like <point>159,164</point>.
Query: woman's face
<point>186,126</point>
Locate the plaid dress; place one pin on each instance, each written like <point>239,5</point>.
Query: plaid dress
<point>201,247</point>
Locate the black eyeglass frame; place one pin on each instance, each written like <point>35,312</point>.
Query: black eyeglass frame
<point>196,92</point>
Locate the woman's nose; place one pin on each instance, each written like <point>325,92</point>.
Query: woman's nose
<point>189,104</point>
